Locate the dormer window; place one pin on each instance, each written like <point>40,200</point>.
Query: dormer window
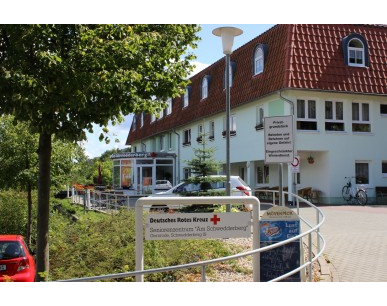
<point>258,61</point>
<point>204,88</point>
<point>169,107</point>
<point>186,98</point>
<point>231,74</point>
<point>355,53</point>
<point>355,50</point>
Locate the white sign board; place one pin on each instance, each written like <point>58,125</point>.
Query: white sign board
<point>279,143</point>
<point>295,165</point>
<point>197,226</point>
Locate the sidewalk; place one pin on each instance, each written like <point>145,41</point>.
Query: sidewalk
<point>356,242</point>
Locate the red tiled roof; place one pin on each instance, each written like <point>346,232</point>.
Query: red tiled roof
<point>299,56</point>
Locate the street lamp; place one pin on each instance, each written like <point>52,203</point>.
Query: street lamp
<point>227,34</point>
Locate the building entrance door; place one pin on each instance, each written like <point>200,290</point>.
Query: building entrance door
<point>144,179</point>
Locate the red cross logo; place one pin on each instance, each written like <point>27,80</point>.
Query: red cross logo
<point>215,219</point>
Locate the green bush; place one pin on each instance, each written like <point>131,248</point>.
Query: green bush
<point>14,213</point>
<point>99,244</point>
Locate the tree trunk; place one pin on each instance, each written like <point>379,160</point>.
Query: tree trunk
<point>42,258</point>
<point>29,214</point>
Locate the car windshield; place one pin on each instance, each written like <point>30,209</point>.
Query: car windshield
<point>11,249</point>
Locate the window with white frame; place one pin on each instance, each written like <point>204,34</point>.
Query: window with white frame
<point>361,117</point>
<point>211,135</point>
<point>306,115</point>
<point>134,123</point>
<point>187,137</point>
<point>204,88</point>
<point>153,118</point>
<point>161,114</point>
<point>260,114</point>
<point>384,168</point>
<point>169,141</point>
<point>143,145</point>
<point>334,116</point>
<point>186,98</point>
<point>200,133</point>
<point>161,144</point>
<point>356,53</point>
<point>362,173</point>
<point>142,119</point>
<point>169,107</point>
<point>187,173</point>
<point>258,60</point>
<point>263,174</point>
<point>233,127</point>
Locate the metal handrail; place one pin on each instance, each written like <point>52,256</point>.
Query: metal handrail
<point>203,264</point>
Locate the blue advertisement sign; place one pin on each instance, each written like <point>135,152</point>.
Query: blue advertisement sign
<point>279,224</point>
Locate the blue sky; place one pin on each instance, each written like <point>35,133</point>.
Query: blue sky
<point>209,51</point>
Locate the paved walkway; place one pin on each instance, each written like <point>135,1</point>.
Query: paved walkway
<point>356,241</point>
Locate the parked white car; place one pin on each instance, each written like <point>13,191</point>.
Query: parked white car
<point>163,185</point>
<point>238,188</point>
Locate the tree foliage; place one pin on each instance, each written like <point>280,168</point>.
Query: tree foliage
<point>203,164</point>
<point>63,78</point>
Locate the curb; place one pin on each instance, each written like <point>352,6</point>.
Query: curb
<point>327,270</point>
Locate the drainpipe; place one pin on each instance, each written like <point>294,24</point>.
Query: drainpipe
<point>177,177</point>
<point>294,140</point>
<point>143,146</point>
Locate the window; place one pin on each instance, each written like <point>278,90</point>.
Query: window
<point>212,130</point>
<point>361,117</point>
<point>263,174</point>
<point>204,88</point>
<point>187,173</point>
<point>186,97</point>
<point>306,115</point>
<point>161,144</point>
<point>384,168</point>
<point>187,137</point>
<point>134,123</point>
<point>259,118</point>
<point>161,114</point>
<point>383,109</point>
<point>362,173</point>
<point>334,120</point>
<point>169,141</point>
<point>143,145</point>
<point>258,61</point>
<point>232,126</point>
<point>153,118</point>
<point>200,133</point>
<point>169,106</point>
<point>355,53</point>
<point>355,50</point>
<point>142,119</point>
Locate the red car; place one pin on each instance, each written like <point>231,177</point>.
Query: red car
<point>16,262</point>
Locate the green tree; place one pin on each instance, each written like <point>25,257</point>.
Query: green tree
<point>19,160</point>
<point>202,165</point>
<point>64,78</point>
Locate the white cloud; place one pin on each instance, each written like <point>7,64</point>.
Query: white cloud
<point>94,148</point>
<point>199,67</point>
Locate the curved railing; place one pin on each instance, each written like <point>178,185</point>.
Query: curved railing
<point>314,252</point>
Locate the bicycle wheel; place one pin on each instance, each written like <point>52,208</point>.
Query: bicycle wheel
<point>361,197</point>
<point>346,192</point>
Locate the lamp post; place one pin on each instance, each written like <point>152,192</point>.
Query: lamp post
<point>227,34</point>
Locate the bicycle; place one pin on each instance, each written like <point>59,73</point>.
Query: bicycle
<point>351,192</point>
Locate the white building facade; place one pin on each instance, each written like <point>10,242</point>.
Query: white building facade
<point>331,78</point>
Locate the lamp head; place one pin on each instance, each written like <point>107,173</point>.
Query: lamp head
<point>227,34</point>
